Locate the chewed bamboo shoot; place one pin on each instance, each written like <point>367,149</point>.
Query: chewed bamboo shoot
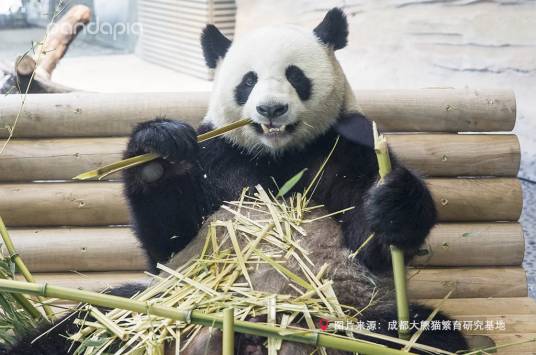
<point>106,170</point>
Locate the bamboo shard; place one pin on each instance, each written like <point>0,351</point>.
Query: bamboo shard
<point>106,170</point>
<point>298,335</point>
<point>397,255</point>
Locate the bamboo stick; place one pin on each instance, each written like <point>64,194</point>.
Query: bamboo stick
<point>195,317</point>
<point>22,301</point>
<point>21,267</point>
<point>434,155</point>
<point>104,171</point>
<point>28,306</point>
<point>397,255</point>
<point>99,115</point>
<point>469,282</point>
<point>102,203</point>
<point>228,332</point>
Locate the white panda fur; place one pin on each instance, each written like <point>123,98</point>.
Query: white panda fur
<point>265,52</point>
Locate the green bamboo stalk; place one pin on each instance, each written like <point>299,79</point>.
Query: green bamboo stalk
<point>402,304</point>
<point>27,305</point>
<point>228,331</point>
<point>397,256</point>
<point>23,301</point>
<point>297,335</point>
<point>106,170</point>
<point>21,267</point>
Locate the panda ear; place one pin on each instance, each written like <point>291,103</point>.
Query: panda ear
<point>214,44</point>
<point>333,30</point>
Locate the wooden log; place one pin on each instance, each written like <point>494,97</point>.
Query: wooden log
<point>58,159</point>
<point>39,84</point>
<point>459,200</point>
<point>102,203</point>
<point>527,348</point>
<point>98,115</point>
<point>458,154</point>
<point>439,110</point>
<point>80,249</point>
<point>63,204</point>
<point>25,66</point>
<point>59,38</point>
<point>116,249</point>
<point>48,54</point>
<point>26,80</point>
<point>429,154</point>
<point>517,313</point>
<point>513,323</point>
<point>473,244</point>
<point>485,306</point>
<point>428,283</point>
<point>468,282</point>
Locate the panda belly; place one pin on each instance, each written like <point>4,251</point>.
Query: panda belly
<point>353,284</point>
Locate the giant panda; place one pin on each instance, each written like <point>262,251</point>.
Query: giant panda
<point>288,81</point>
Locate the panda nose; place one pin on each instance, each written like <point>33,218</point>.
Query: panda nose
<point>272,111</point>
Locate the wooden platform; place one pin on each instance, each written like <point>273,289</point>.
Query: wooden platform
<point>60,226</point>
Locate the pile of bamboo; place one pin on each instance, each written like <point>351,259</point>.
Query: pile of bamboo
<point>262,234</point>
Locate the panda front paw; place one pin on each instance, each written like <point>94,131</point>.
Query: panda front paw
<point>401,210</point>
<point>174,141</point>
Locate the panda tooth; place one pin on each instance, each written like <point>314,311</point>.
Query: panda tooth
<point>264,128</point>
<point>283,128</point>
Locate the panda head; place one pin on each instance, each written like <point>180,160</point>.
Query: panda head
<point>285,78</point>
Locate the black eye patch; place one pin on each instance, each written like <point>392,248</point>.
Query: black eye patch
<point>301,83</point>
<point>242,91</point>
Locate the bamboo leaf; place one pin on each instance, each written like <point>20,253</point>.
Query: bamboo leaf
<point>287,186</point>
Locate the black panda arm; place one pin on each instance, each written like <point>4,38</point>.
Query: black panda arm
<point>168,198</point>
<point>400,211</point>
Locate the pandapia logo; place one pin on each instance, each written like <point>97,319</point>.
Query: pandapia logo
<point>323,324</point>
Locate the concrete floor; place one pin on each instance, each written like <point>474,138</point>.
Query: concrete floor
<point>392,44</point>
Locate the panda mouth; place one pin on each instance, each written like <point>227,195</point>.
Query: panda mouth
<point>271,130</point>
